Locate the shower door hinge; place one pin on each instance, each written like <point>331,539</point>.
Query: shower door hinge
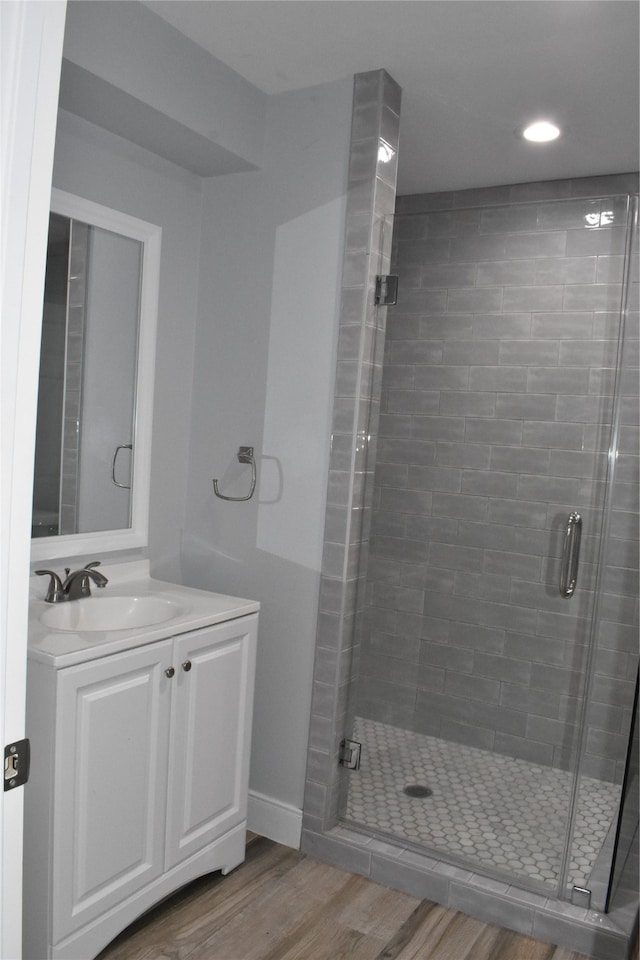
<point>16,764</point>
<point>386,290</point>
<point>581,897</point>
<point>350,754</point>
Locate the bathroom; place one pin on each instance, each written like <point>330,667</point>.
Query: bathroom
<point>293,209</point>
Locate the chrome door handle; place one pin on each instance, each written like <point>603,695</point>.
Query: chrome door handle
<point>570,555</point>
<point>121,446</point>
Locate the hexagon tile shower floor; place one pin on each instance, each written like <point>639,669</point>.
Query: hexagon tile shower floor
<point>505,813</point>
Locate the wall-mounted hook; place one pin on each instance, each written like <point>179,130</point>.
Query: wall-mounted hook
<point>245,455</point>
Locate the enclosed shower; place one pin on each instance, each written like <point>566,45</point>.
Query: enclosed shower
<point>498,637</point>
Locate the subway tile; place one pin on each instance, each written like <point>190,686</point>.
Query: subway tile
<point>573,463</point>
<point>554,380</point>
<point>490,536</point>
<point>446,327</point>
<point>566,270</point>
<point>522,460</point>
<point>437,428</point>
<point>402,327</point>
<point>515,565</point>
<point>588,353</point>
<point>472,352</point>
<point>445,707</point>
<point>414,351</point>
<point>506,273</point>
<point>603,743</point>
<point>453,403</point>
<point>421,301</point>
<point>487,431</point>
<point>472,455</point>
<point>535,299</point>
<point>455,557</point>
<point>529,352</point>
<point>497,718</point>
<point>413,551</point>
<point>502,668</point>
<point>534,648</point>
<point>406,501</point>
<point>441,377</point>
<point>449,275</point>
<point>517,513</point>
<point>564,436</point>
<point>483,586</point>
<point>469,734</point>
<point>476,637</point>
<point>413,401</point>
<point>510,218</point>
<point>599,296</point>
<point>442,655</point>
<point>398,376</point>
<point>421,251</point>
<point>562,326</point>
<point>456,505</point>
<point>543,703</point>
<point>557,489</point>
<point>478,248</point>
<point>508,379</point>
<point>530,406</point>
<point>489,483</point>
<point>583,409</point>
<point>477,300</point>
<point>546,730</point>
<point>394,425</point>
<point>392,474</point>
<point>523,748</point>
<point>569,214</point>
<point>588,243</point>
<point>434,478</point>
<point>536,245</point>
<point>471,687</point>
<point>407,451</point>
<point>432,528</point>
<point>506,325</point>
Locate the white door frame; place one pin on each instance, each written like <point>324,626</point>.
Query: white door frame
<point>31,37</point>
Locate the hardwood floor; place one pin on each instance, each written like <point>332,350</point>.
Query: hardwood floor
<point>283,905</point>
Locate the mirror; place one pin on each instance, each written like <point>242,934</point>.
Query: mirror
<point>93,432</point>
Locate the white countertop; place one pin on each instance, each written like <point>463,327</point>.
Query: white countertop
<point>64,648</point>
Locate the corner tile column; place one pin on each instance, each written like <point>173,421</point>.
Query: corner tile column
<point>370,205</point>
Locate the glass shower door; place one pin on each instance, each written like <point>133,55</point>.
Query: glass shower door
<point>494,428</point>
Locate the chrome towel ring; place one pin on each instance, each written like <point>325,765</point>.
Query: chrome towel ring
<point>245,455</point>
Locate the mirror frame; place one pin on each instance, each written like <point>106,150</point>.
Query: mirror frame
<point>150,235</point>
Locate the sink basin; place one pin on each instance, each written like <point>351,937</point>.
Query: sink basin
<point>110,613</point>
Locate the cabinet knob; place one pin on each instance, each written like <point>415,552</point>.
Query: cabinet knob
<point>169,672</point>
<point>186,666</point>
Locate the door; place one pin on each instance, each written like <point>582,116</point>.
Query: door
<point>209,765</point>
<point>31,55</point>
<point>112,736</point>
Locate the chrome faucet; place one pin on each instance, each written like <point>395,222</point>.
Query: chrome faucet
<point>76,585</point>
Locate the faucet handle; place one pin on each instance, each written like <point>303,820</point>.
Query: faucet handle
<point>54,592</point>
<point>94,563</point>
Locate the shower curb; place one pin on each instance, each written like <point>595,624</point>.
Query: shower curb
<point>602,936</point>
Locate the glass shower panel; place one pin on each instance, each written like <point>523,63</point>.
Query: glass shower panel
<point>494,426</point>
<point>613,661</point>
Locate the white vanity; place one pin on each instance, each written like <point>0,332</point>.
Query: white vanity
<point>140,743</point>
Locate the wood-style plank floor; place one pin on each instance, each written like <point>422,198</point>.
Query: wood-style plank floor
<point>282,905</point>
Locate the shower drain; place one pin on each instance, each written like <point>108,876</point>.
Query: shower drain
<point>417,790</point>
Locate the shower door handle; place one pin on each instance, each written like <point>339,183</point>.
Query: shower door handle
<point>570,555</point>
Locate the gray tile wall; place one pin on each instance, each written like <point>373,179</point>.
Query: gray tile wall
<point>370,200</point>
<point>494,425</point>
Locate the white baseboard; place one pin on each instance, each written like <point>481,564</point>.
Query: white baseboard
<point>275,820</point>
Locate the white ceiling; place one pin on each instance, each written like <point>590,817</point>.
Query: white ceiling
<point>473,72</point>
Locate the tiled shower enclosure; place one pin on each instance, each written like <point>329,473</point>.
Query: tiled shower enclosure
<point>442,635</point>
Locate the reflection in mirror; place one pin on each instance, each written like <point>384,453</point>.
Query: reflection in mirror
<point>96,380</point>
<point>85,422</point>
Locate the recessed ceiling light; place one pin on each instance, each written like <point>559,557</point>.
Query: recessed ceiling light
<point>542,131</point>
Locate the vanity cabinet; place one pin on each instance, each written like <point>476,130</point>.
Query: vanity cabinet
<point>140,766</point>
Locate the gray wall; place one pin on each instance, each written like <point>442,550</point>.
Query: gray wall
<point>489,436</point>
<point>264,375</point>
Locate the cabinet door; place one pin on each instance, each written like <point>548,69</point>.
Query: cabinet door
<point>210,739</point>
<point>110,781</point>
